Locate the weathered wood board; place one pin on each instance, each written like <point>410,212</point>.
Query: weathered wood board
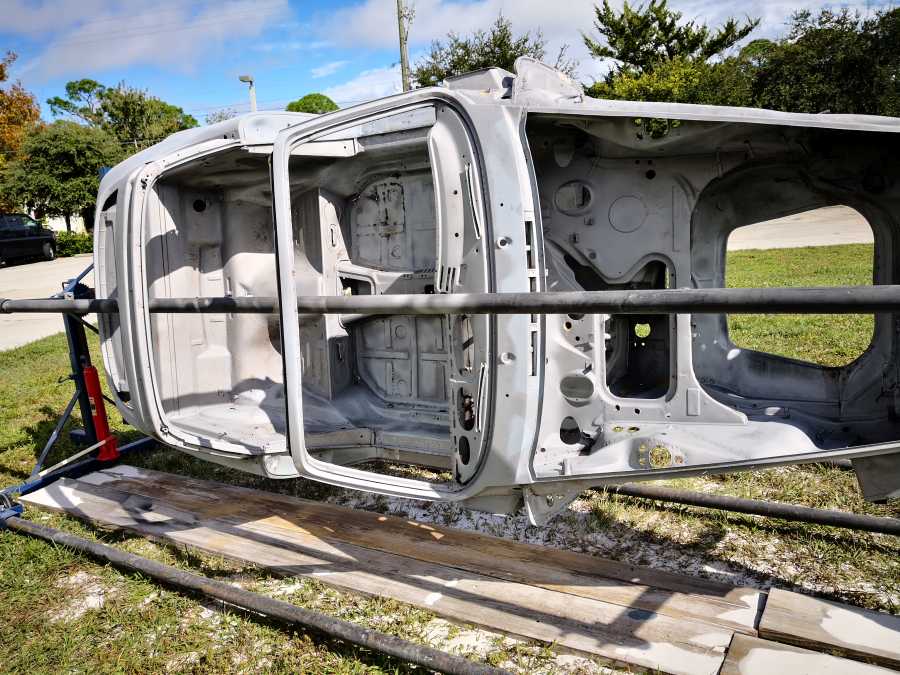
<point>749,655</point>
<point>639,616</point>
<point>565,571</point>
<point>428,567</point>
<point>819,624</point>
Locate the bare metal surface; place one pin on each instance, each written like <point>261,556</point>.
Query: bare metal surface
<point>501,272</point>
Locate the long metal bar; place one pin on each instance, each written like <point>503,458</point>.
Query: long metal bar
<point>68,461</point>
<point>55,433</point>
<point>428,657</point>
<point>835,300</point>
<point>74,470</point>
<point>852,521</point>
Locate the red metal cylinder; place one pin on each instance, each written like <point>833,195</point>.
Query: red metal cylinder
<point>109,450</point>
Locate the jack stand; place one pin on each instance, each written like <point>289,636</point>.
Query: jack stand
<point>80,361</point>
<point>96,434</point>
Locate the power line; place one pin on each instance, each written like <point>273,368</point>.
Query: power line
<point>173,27</point>
<point>173,5</point>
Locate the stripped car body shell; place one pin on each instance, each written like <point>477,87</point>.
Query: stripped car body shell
<point>495,183</point>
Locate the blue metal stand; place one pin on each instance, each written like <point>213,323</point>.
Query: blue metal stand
<point>79,358</point>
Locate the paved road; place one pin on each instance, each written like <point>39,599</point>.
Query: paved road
<point>36,280</point>
<point>832,225</point>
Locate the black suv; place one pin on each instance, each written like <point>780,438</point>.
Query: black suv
<point>23,237</point>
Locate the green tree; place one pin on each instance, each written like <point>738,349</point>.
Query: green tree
<point>221,115</point>
<point>18,112</point>
<point>836,62</point>
<point>312,103</point>
<point>133,116</point>
<point>83,101</point>
<point>681,80</point>
<point>639,38</point>
<point>496,47</point>
<point>57,171</point>
<point>659,57</point>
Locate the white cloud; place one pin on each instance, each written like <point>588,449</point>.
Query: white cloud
<point>368,85</point>
<point>328,69</point>
<point>28,18</point>
<point>174,34</point>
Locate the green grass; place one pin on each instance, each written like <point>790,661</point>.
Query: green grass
<point>141,626</point>
<point>828,340</point>
<point>145,628</point>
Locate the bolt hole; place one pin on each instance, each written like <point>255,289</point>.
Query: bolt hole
<point>637,411</point>
<point>465,454</point>
<point>567,325</point>
<point>577,388</point>
<point>466,409</point>
<point>651,174</point>
<point>569,431</point>
<point>199,205</point>
<point>618,407</point>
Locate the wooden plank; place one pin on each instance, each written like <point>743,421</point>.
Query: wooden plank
<point>820,624</point>
<point>574,623</point>
<point>749,655</point>
<point>564,571</point>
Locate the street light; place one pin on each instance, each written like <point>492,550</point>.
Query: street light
<point>249,80</point>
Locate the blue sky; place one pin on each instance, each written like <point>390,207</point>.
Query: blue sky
<point>190,52</point>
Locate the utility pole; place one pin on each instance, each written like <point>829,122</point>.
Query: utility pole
<point>404,18</point>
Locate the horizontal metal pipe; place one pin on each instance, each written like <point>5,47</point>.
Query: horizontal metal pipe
<point>836,300</point>
<point>428,657</point>
<point>851,521</point>
<point>57,306</point>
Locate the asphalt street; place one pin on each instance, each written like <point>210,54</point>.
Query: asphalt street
<point>36,280</point>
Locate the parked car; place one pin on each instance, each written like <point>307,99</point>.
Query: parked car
<point>22,236</point>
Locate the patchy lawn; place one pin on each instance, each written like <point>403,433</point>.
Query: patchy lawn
<point>63,612</point>
<point>828,340</point>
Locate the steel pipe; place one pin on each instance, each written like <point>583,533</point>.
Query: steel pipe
<point>851,521</point>
<point>836,300</point>
<point>428,657</point>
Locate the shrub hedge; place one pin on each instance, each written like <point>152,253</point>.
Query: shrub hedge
<point>70,243</point>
